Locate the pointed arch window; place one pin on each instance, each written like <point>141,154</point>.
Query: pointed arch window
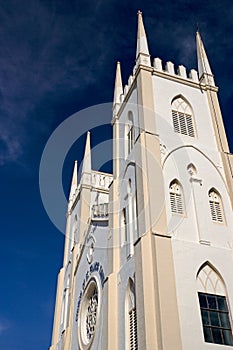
<point>176,197</point>
<point>65,304</point>
<point>214,307</point>
<point>130,132</point>
<point>130,137</point>
<point>124,226</point>
<point>73,233</point>
<point>182,117</point>
<point>216,207</point>
<point>131,316</point>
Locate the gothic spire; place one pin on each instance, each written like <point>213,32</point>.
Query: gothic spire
<point>118,91</point>
<point>142,53</point>
<point>86,168</point>
<point>204,70</point>
<point>74,182</point>
<point>118,84</point>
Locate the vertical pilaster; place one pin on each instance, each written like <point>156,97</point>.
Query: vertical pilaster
<point>67,239</point>
<point>217,120</point>
<point>169,336</point>
<point>148,325</point>
<point>221,139</point>
<point>114,265</point>
<point>72,309</point>
<point>58,306</point>
<point>155,277</point>
<point>149,172</point>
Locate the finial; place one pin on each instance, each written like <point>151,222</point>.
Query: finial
<point>74,181</point>
<point>139,12</point>
<point>118,91</point>
<point>142,53</point>
<point>204,70</point>
<point>86,168</point>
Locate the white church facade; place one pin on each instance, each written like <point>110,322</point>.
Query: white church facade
<point>148,254</point>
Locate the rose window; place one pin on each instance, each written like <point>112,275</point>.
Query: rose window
<point>91,314</point>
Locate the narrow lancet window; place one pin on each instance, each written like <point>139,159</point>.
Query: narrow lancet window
<point>131,317</point>
<point>130,132</point>
<point>123,226</point>
<point>216,208</point>
<point>176,197</point>
<point>130,138</point>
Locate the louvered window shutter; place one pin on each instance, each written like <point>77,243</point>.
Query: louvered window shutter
<point>183,123</point>
<point>176,199</point>
<point>216,209</point>
<point>182,117</point>
<point>133,340</point>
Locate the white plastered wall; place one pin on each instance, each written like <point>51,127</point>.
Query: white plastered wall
<point>196,223</point>
<point>165,91</point>
<point>195,237</point>
<point>100,234</point>
<point>127,271</point>
<point>188,258</point>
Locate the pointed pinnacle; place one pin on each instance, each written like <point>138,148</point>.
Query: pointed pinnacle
<point>203,62</point>
<point>75,174</point>
<point>86,168</point>
<point>142,46</point>
<point>74,182</point>
<point>118,85</point>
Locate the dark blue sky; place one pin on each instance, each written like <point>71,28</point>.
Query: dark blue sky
<point>58,57</point>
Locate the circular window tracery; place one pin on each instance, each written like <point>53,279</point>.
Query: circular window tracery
<point>89,314</point>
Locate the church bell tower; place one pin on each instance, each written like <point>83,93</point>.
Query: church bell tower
<point>148,253</point>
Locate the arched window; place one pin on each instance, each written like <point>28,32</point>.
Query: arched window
<point>216,208</point>
<point>214,306</point>
<point>132,219</point>
<point>131,316</point>
<point>73,233</point>
<point>176,197</point>
<point>130,132</point>
<point>182,117</point>
<point>67,296</point>
<point>123,226</point>
<point>65,305</point>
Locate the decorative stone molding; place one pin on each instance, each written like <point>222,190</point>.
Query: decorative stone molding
<point>90,248</point>
<point>196,180</point>
<point>100,211</point>
<point>101,180</point>
<point>204,241</point>
<point>163,151</point>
